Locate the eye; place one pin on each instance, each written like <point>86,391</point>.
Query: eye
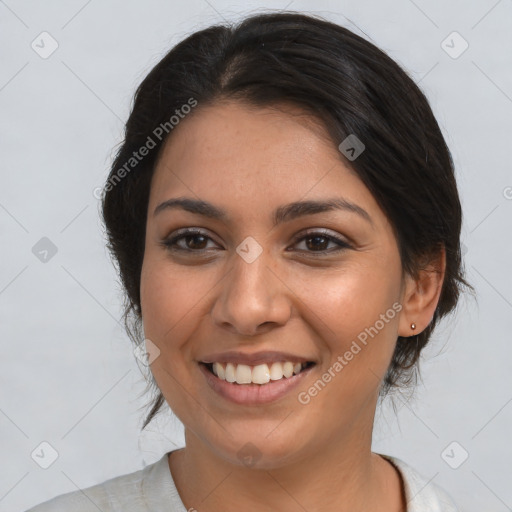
<point>196,241</point>
<point>193,240</point>
<point>318,241</point>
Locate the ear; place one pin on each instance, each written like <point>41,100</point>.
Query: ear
<point>420,295</point>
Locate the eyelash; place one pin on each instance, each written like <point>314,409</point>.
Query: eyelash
<point>170,243</point>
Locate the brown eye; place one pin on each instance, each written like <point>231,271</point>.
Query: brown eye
<point>188,241</point>
<point>194,241</point>
<point>318,242</point>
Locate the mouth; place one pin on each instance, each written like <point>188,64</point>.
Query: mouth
<point>253,385</point>
<point>260,374</point>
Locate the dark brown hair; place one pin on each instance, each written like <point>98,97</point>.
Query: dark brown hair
<point>349,84</point>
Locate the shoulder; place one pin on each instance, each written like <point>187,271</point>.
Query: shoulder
<point>422,495</point>
<point>135,491</point>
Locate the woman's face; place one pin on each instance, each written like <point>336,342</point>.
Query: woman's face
<point>249,291</point>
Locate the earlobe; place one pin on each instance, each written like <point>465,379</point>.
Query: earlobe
<point>421,296</point>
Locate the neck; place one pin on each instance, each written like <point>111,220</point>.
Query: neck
<point>361,479</point>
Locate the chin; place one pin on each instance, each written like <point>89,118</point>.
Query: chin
<point>259,452</point>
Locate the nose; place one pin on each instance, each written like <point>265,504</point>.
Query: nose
<point>253,298</point>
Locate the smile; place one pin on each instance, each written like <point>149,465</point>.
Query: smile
<point>259,374</point>
<point>252,385</point>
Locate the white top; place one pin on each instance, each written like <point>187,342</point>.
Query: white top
<point>152,489</point>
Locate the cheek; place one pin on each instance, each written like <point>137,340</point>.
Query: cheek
<point>345,313</point>
<point>356,306</point>
<point>173,306</point>
<point>163,301</point>
<point>167,294</point>
<point>167,301</point>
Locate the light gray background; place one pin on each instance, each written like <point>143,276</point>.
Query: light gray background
<point>68,374</point>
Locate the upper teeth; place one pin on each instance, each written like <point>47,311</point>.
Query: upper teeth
<point>260,374</point>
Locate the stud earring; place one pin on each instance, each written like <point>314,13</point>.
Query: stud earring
<point>413,326</point>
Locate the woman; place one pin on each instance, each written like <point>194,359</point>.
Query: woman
<point>286,222</point>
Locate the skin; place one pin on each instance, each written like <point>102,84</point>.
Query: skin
<point>249,161</point>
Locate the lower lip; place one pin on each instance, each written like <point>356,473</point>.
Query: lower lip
<point>253,394</point>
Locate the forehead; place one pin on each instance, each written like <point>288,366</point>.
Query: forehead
<point>253,135</point>
<point>254,157</point>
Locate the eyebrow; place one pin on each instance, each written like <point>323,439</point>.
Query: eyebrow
<point>284,213</point>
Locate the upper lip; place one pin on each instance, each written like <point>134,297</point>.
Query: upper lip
<point>253,359</point>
